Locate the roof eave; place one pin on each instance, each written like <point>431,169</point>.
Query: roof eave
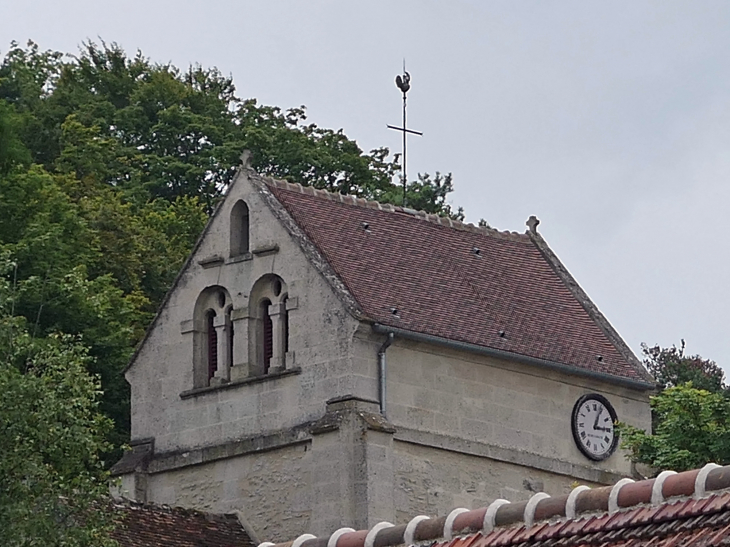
<point>507,355</point>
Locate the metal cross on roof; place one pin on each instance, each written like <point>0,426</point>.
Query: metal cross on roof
<point>403,82</point>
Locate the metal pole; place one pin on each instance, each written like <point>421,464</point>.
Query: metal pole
<point>404,84</point>
<point>405,175</point>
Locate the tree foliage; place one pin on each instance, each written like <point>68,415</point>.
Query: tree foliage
<point>426,194</point>
<point>671,367</point>
<point>109,166</point>
<point>52,478</point>
<point>690,414</point>
<point>692,428</point>
<point>165,132</point>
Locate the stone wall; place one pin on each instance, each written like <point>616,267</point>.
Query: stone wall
<point>431,481</point>
<point>271,489</point>
<point>504,404</point>
<point>318,477</point>
<point>165,405</point>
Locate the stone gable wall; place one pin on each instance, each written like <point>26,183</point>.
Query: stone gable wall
<point>320,336</point>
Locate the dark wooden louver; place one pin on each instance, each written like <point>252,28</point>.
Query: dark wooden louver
<point>212,346</point>
<point>229,326</point>
<point>268,340</point>
<point>286,328</point>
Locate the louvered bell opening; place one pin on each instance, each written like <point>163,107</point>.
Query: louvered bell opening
<point>268,338</point>
<point>212,345</point>
<point>229,329</point>
<point>286,327</point>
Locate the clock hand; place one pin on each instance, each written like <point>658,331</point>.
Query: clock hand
<point>595,424</point>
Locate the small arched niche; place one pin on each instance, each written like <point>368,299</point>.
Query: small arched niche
<point>239,227</point>
<point>269,325</point>
<point>213,337</point>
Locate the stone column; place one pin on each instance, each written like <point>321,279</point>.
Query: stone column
<point>292,303</point>
<point>132,470</point>
<point>241,365</point>
<point>193,335</point>
<point>222,373</point>
<point>277,312</point>
<point>379,458</point>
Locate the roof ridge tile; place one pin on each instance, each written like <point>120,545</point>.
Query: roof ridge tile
<point>351,199</point>
<point>163,507</point>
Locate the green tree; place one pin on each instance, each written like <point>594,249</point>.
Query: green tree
<point>27,78</point>
<point>61,282</point>
<point>109,166</point>
<point>164,132</point>
<point>52,478</point>
<point>692,428</point>
<point>12,150</point>
<point>426,194</point>
<point>690,413</point>
<point>671,367</point>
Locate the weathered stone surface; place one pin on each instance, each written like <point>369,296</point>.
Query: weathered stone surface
<point>510,405</point>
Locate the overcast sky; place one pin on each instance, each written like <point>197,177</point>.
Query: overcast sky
<point>610,121</point>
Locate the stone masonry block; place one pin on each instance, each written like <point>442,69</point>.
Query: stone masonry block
<point>474,429</point>
<point>271,402</point>
<point>401,394</point>
<point>473,409</point>
<point>327,490</point>
<point>511,437</point>
<point>223,412</point>
<point>397,414</point>
<point>365,387</point>
<point>446,423</point>
<point>419,418</point>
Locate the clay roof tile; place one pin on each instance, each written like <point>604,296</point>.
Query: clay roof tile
<point>635,493</point>
<point>353,539</point>
<point>681,484</point>
<point>471,521</point>
<point>428,269</point>
<point>163,526</point>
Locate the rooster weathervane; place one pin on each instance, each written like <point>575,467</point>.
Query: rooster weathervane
<point>403,82</point>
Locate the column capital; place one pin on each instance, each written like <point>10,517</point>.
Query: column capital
<point>239,313</point>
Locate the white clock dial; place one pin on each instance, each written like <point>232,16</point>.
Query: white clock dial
<point>593,430</point>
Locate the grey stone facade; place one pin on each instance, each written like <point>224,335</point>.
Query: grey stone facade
<point>300,445</point>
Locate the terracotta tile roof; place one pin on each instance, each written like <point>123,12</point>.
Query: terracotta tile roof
<point>626,514</point>
<point>144,525</point>
<point>426,274</point>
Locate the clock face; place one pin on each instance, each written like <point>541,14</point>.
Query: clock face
<point>593,431</point>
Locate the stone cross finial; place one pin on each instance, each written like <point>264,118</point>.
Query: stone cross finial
<point>246,159</point>
<point>532,223</point>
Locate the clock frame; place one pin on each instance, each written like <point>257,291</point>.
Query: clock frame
<point>592,420</point>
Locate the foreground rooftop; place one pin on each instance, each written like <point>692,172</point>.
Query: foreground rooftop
<point>689,509</point>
